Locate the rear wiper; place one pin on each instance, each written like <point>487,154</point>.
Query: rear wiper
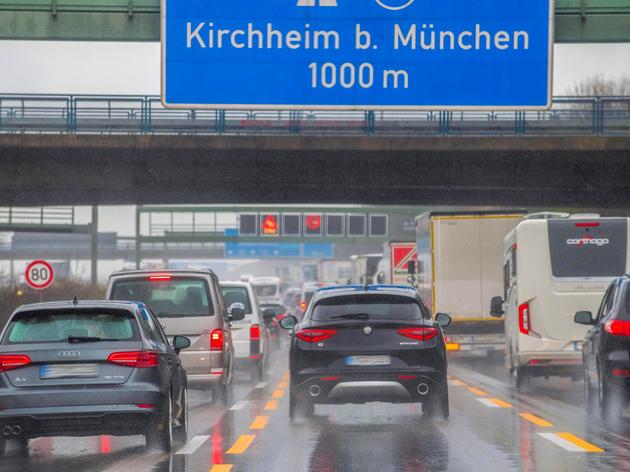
<point>351,316</point>
<point>88,339</point>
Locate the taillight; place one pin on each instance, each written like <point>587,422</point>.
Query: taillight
<point>138,359</point>
<point>216,340</point>
<point>254,332</point>
<point>315,335</point>
<point>421,333</point>
<point>523,318</point>
<point>303,305</point>
<point>281,316</point>
<point>159,277</point>
<point>13,361</point>
<point>617,327</point>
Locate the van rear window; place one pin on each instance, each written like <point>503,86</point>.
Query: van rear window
<point>588,248</point>
<point>169,297</point>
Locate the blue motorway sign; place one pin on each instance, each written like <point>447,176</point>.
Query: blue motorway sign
<point>278,250</point>
<point>357,54</point>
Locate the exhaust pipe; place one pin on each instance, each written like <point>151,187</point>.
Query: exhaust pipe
<point>314,390</point>
<point>17,430</point>
<point>422,389</point>
<point>7,431</point>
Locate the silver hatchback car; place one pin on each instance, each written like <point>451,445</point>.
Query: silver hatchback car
<point>188,303</point>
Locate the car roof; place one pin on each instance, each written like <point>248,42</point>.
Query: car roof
<point>340,290</point>
<point>234,283</point>
<point>82,304</point>
<point>162,271</point>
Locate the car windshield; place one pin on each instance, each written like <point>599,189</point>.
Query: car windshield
<point>277,309</point>
<point>266,290</point>
<point>367,306</point>
<point>168,297</point>
<point>236,295</point>
<point>51,327</point>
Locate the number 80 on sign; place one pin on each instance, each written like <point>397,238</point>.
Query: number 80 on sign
<point>39,275</point>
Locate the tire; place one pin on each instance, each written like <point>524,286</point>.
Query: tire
<point>180,435</point>
<point>3,447</point>
<point>160,433</point>
<point>437,406</point>
<point>22,446</point>
<point>221,394</point>
<point>590,395</point>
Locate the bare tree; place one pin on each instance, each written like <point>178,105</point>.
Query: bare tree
<point>599,85</point>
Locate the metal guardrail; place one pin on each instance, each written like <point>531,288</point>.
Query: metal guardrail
<point>92,114</point>
<point>44,215</point>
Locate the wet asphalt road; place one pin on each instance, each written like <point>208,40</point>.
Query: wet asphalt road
<point>492,427</point>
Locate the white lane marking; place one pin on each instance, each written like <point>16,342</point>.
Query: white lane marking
<point>193,445</point>
<point>563,443</point>
<point>239,405</point>
<point>487,402</point>
<point>261,385</point>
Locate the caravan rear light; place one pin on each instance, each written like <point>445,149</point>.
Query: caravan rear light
<point>617,327</point>
<point>523,318</point>
<point>254,332</point>
<point>586,225</point>
<point>216,340</point>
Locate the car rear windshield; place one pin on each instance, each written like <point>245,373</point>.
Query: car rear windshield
<point>236,295</point>
<point>171,297</point>
<point>53,326</point>
<point>588,248</point>
<point>266,290</point>
<point>380,306</point>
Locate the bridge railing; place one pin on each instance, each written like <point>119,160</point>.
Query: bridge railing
<point>140,114</point>
<point>43,215</point>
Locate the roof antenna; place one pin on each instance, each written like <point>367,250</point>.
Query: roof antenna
<point>75,301</point>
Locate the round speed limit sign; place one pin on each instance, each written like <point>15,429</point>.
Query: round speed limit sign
<point>39,275</point>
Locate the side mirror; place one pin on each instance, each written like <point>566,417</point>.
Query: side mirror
<point>268,315</point>
<point>180,342</point>
<point>443,319</point>
<point>584,317</point>
<point>237,312</point>
<point>288,322</point>
<point>496,307</point>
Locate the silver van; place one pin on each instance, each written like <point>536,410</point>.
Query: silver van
<point>188,303</point>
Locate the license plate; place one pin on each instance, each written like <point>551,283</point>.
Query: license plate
<point>368,360</point>
<point>60,371</point>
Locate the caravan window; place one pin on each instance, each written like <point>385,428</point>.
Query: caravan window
<point>588,248</point>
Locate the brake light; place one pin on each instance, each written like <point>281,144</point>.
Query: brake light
<point>254,332</point>
<point>13,361</point>
<point>146,406</point>
<point>523,318</point>
<point>407,377</point>
<point>621,372</point>
<point>586,225</point>
<point>160,277</point>
<point>617,327</point>
<point>421,333</point>
<point>315,335</point>
<point>216,340</point>
<point>303,305</point>
<point>137,359</point>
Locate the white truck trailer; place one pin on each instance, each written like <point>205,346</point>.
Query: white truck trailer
<point>460,264</point>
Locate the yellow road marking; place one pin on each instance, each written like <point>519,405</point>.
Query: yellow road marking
<point>500,403</point>
<point>477,391</point>
<point>221,468</point>
<point>536,420</point>
<point>285,376</point>
<point>271,405</point>
<point>283,384</point>
<point>278,394</point>
<point>587,446</point>
<point>458,383</point>
<point>241,444</point>
<point>259,422</point>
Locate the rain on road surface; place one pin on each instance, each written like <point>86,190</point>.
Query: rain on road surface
<point>492,427</point>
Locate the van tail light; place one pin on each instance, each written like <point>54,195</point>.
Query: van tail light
<point>421,333</point>
<point>138,359</point>
<point>617,327</point>
<point>216,340</point>
<point>523,318</point>
<point>254,332</point>
<point>13,361</point>
<point>315,335</point>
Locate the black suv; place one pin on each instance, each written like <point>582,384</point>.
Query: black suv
<point>606,352</point>
<point>358,344</point>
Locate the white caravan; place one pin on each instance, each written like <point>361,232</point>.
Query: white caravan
<point>554,266</point>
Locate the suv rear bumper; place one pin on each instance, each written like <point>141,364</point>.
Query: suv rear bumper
<point>551,362</point>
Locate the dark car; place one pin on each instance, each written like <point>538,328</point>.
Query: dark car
<point>358,344</point>
<point>606,352</point>
<point>91,367</point>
